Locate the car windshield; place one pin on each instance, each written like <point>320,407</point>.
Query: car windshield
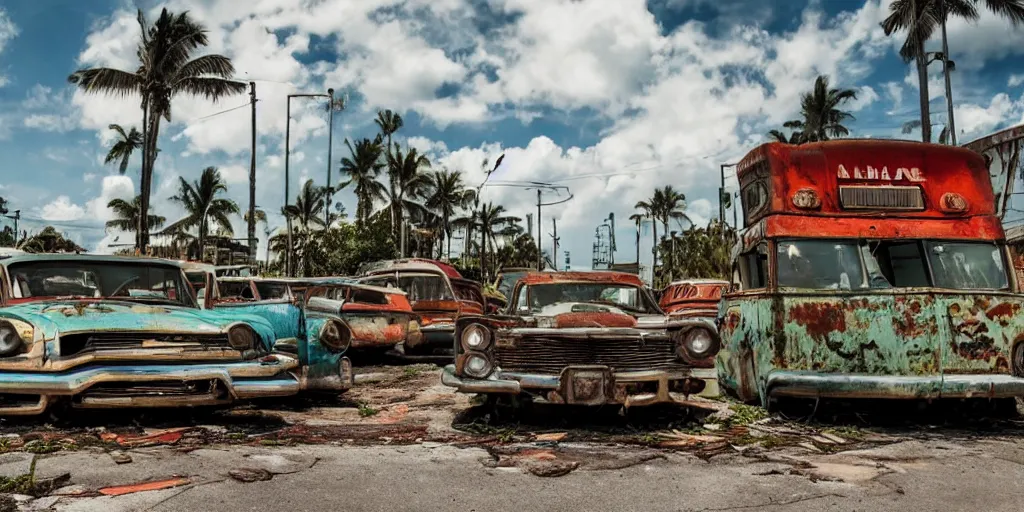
<point>881,264</point>
<point>629,298</point>
<point>95,280</point>
<point>419,286</point>
<point>270,291</point>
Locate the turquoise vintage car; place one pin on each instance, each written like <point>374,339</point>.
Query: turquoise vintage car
<point>107,331</point>
<point>319,340</point>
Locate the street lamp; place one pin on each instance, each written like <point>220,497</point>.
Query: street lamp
<point>287,150</point>
<point>947,66</point>
<point>722,198</point>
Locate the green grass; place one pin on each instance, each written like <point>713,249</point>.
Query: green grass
<point>366,411</point>
<point>42,447</point>
<point>744,415</point>
<point>21,484</point>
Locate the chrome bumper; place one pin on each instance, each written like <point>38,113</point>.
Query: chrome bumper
<point>268,377</point>
<point>825,385</point>
<point>561,388</point>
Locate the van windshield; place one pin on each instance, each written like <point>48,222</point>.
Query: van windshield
<point>881,264</point>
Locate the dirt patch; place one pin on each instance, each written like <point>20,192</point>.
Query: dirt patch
<point>561,460</point>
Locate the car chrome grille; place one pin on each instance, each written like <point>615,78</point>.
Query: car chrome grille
<point>551,354</point>
<point>71,344</point>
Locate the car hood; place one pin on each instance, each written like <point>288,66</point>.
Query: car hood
<point>51,318</point>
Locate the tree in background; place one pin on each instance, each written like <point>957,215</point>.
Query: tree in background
<point>821,116</point>
<point>49,240</point>
<point>408,183</point>
<point>203,204</point>
<point>446,195</point>
<point>166,69</point>
<point>126,215</point>
<point>920,18</point>
<point>123,148</point>
<point>362,168</point>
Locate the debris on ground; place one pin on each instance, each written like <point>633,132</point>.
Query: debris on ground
<point>249,475</point>
<point>155,485</point>
<point>120,457</point>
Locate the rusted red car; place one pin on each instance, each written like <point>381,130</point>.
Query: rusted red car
<point>588,338</point>
<point>375,318</point>
<point>438,294</point>
<point>693,298</point>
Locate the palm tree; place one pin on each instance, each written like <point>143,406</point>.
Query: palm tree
<point>389,122</point>
<point>308,208</point>
<point>446,195</point>
<point>362,169</point>
<point>127,215</point>
<point>308,211</point>
<point>910,126</point>
<point>260,216</point>
<point>489,217</point>
<point>123,148</point>
<point>650,208</point>
<point>822,118</point>
<point>672,205</point>
<point>795,137</point>
<point>166,69</point>
<point>202,204</point>
<point>920,18</point>
<point>407,183</point>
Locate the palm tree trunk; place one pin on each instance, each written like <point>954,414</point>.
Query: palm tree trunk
<point>654,250</point>
<point>922,78</point>
<point>147,180</point>
<point>142,173</point>
<point>950,124</point>
<point>447,236</point>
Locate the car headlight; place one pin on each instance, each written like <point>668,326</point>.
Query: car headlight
<point>10,340</point>
<point>476,337</point>
<point>477,366</point>
<point>241,337</point>
<point>698,343</point>
<point>336,336</point>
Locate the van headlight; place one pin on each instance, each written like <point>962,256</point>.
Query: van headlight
<point>335,336</point>
<point>477,365</point>
<point>696,344</point>
<point>241,337</point>
<point>10,340</point>
<point>476,337</point>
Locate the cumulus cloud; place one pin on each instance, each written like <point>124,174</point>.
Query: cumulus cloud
<point>61,209</point>
<point>8,31</point>
<point>670,105</point>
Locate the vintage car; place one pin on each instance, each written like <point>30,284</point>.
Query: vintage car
<point>587,338</point>
<point>107,331</point>
<point>438,294</point>
<point>374,318</point>
<point>693,298</point>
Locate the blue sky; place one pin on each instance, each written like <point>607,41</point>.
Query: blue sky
<point>640,94</point>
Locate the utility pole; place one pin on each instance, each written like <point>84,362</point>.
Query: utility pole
<point>638,221</point>
<point>540,257</point>
<point>672,258</point>
<point>251,228</point>
<point>287,176</point>
<point>554,241</point>
<point>611,249</point>
<point>330,146</point>
<point>721,197</point>
<point>15,217</point>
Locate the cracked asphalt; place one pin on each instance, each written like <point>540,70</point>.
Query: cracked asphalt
<point>401,441</point>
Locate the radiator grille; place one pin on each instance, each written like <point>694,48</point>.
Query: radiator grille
<point>71,344</point>
<point>890,198</point>
<point>550,355</point>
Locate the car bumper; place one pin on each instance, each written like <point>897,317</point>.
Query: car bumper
<point>592,385</point>
<point>433,336</point>
<point>153,385</point>
<point>824,385</point>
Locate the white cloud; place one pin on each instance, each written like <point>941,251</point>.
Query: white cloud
<point>61,209</point>
<point>1015,80</point>
<point>8,31</point>
<point>973,120</point>
<point>670,106</point>
<point>49,122</point>
<point>89,177</point>
<point>866,96</point>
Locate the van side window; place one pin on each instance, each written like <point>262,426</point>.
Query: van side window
<point>753,265</point>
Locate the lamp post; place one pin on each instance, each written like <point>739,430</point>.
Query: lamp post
<point>947,66</point>
<point>287,176</point>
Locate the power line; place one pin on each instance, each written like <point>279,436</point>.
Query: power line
<point>246,104</point>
